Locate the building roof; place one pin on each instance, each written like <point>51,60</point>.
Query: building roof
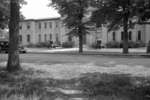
<point>44,19</point>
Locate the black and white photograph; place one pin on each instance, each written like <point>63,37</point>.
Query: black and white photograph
<point>74,49</point>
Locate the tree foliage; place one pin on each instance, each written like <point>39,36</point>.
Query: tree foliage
<point>5,12</point>
<point>119,13</point>
<point>73,13</point>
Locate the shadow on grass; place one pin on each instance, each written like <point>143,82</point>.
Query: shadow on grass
<point>22,85</point>
<point>115,87</point>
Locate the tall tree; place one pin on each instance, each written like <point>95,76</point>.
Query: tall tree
<point>117,13</point>
<point>13,56</point>
<point>5,12</point>
<point>73,13</point>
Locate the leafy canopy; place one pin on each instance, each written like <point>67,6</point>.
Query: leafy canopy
<point>112,12</point>
<point>74,14</point>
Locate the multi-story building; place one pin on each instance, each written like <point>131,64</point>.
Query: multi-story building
<point>35,31</point>
<point>3,34</point>
<point>44,30</point>
<point>41,30</point>
<point>140,33</point>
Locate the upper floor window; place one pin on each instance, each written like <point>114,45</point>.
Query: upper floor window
<point>130,35</point>
<point>50,24</point>
<point>114,36</point>
<point>139,35</point>
<point>45,25</point>
<point>39,25</point>
<point>56,24</point>
<point>28,26</point>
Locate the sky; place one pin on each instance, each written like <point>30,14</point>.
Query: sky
<point>38,9</point>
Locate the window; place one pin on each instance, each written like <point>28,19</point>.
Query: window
<point>84,39</point>
<point>39,25</point>
<point>28,26</point>
<point>57,38</point>
<point>114,36</point>
<point>69,38</point>
<point>130,35</point>
<point>139,35</point>
<point>28,38</point>
<point>122,35</point>
<point>39,38</point>
<point>20,38</point>
<point>56,24</point>
<point>20,27</point>
<point>50,37</point>
<point>50,24</point>
<point>45,25</point>
<point>45,36</point>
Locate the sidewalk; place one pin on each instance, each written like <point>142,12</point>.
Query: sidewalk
<point>103,51</point>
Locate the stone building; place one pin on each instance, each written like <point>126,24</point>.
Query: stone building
<point>140,33</point>
<point>34,31</point>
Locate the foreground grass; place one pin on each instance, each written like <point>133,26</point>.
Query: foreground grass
<point>27,85</point>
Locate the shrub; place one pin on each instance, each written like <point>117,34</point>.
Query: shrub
<point>67,44</point>
<point>131,44</point>
<point>40,45</point>
<point>113,44</point>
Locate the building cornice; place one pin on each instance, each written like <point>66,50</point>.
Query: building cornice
<point>44,19</point>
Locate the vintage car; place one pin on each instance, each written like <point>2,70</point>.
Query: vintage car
<point>4,47</point>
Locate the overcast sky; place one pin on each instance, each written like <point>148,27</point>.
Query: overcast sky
<point>36,9</point>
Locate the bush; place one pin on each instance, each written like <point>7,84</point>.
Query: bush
<point>113,44</point>
<point>43,44</point>
<point>131,44</point>
<point>40,45</point>
<point>67,44</point>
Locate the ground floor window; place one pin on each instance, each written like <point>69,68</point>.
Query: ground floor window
<point>50,37</point>
<point>20,38</point>
<point>130,35</point>
<point>114,36</point>
<point>121,35</point>
<point>39,38</point>
<point>57,38</point>
<point>84,39</point>
<point>139,36</point>
<point>28,38</point>
<point>69,38</point>
<point>45,37</point>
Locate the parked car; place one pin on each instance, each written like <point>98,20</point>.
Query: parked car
<point>4,47</point>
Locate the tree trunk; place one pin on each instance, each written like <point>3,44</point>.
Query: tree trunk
<point>80,43</point>
<point>125,34</point>
<point>13,55</point>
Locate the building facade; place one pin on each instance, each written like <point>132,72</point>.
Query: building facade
<point>45,30</point>
<point>140,33</point>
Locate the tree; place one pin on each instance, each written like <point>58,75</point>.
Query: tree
<point>5,12</point>
<point>13,56</point>
<point>73,13</point>
<point>117,13</point>
<point>9,14</point>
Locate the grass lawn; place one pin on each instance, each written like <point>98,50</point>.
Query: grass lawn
<point>65,77</point>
